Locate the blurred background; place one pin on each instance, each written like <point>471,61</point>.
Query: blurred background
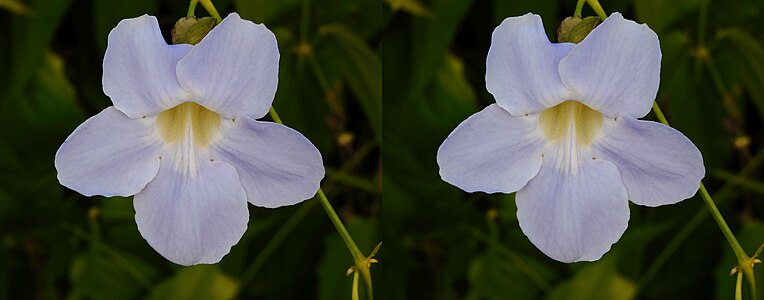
<point>58,244</point>
<point>442,243</point>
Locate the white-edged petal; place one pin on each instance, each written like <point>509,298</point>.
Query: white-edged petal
<point>657,163</point>
<point>277,165</point>
<point>139,68</point>
<point>492,151</point>
<point>192,219</point>
<point>615,69</point>
<point>522,66</point>
<point>234,69</point>
<point>573,215</point>
<point>110,155</point>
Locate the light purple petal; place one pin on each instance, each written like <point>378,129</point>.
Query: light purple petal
<point>277,165</point>
<point>110,155</point>
<point>658,164</point>
<point>139,68</point>
<point>234,69</point>
<point>575,208</point>
<point>192,217</point>
<point>492,151</point>
<point>522,66</point>
<point>615,69</point>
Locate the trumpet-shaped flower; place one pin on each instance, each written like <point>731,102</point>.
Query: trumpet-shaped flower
<point>564,134</point>
<point>183,138</point>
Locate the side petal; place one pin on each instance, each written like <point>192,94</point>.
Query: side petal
<point>492,151</point>
<point>192,218</point>
<point>658,164</point>
<point>139,68</point>
<point>110,155</point>
<point>522,66</point>
<point>234,69</point>
<point>573,215</point>
<point>277,165</point>
<point>616,68</point>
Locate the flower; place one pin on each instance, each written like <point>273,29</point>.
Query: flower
<point>183,138</point>
<point>564,134</point>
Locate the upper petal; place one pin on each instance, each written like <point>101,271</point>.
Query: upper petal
<point>277,165</point>
<point>110,155</point>
<point>192,218</point>
<point>657,163</point>
<point>616,68</point>
<point>522,66</point>
<point>573,214</point>
<point>139,68</point>
<point>234,69</point>
<point>492,151</point>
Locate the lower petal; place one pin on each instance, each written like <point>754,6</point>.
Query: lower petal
<point>573,216</point>
<point>658,164</point>
<point>110,155</point>
<point>192,219</point>
<point>277,165</point>
<point>492,151</point>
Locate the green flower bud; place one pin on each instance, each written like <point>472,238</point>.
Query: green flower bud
<point>575,29</point>
<point>190,30</point>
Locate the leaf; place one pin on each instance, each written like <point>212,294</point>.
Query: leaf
<point>107,13</point>
<point>362,69</point>
<point>263,11</point>
<point>752,63</point>
<point>596,280</point>
<point>410,6</point>
<point>659,14</point>
<point>493,276</point>
<point>196,282</point>
<point>97,274</point>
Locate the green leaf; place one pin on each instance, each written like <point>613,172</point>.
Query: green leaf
<point>659,14</point>
<point>493,276</point>
<point>97,274</point>
<point>752,63</point>
<point>107,13</point>
<point>362,69</point>
<point>596,280</point>
<point>263,11</point>
<point>196,282</point>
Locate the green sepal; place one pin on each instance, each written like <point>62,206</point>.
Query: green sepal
<point>575,29</point>
<point>190,30</point>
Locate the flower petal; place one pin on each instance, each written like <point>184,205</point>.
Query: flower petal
<point>522,66</point>
<point>192,218</point>
<point>616,68</point>
<point>573,214</point>
<point>658,164</point>
<point>110,155</point>
<point>234,69</point>
<point>492,151</point>
<point>277,165</point>
<point>139,68</point>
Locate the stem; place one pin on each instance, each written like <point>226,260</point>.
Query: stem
<point>595,5</point>
<point>741,256</point>
<point>191,8</point>
<point>739,286</point>
<point>579,8</point>
<point>355,286</point>
<point>360,261</point>
<point>207,4</point>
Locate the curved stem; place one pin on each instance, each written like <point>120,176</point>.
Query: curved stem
<point>207,4</point>
<point>191,8</point>
<point>741,256</point>
<point>579,8</point>
<point>595,5</point>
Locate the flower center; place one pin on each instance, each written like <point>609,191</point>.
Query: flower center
<point>188,121</point>
<point>571,120</point>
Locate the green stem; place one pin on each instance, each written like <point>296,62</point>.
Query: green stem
<point>359,259</point>
<point>739,286</point>
<point>191,8</point>
<point>595,5</point>
<point>746,183</point>
<point>207,4</point>
<point>579,8</point>
<point>741,256</point>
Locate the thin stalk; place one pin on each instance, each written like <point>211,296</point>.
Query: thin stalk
<point>191,8</point>
<point>207,4</point>
<point>595,5</point>
<point>579,8</point>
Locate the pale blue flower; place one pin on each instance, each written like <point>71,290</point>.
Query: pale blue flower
<point>183,138</point>
<point>564,134</point>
